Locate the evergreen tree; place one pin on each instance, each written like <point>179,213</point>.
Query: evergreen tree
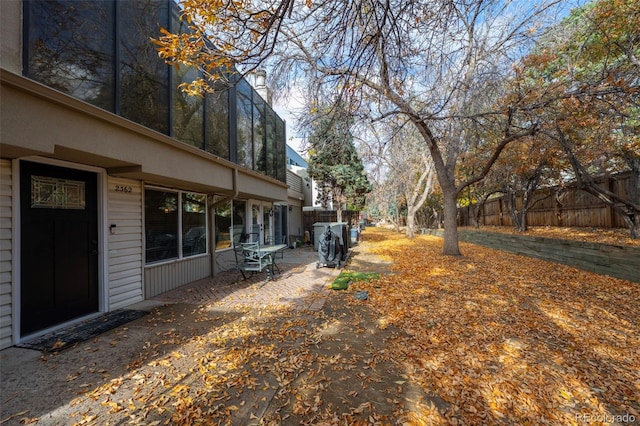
<point>334,163</point>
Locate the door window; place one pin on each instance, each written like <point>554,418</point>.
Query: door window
<point>256,222</point>
<point>51,193</point>
<point>266,218</point>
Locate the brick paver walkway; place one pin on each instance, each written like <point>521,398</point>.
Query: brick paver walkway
<point>299,285</point>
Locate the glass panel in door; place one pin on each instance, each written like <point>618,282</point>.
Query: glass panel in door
<point>256,223</point>
<point>267,216</point>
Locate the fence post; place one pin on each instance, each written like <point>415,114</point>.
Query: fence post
<point>611,213</point>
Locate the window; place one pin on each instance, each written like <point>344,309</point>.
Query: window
<point>239,220</point>
<point>144,77</point>
<point>230,223</point>
<point>173,220</point>
<point>194,224</point>
<point>101,52</point>
<point>280,223</point>
<point>187,111</point>
<point>217,126</point>
<point>71,48</point>
<point>245,125</point>
<point>280,149</point>
<point>223,223</point>
<point>259,160</point>
<point>53,193</point>
<point>161,225</point>
<point>270,146</point>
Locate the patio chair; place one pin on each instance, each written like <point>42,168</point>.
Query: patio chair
<point>249,258</point>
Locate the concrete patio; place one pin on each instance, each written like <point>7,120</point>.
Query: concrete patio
<point>298,284</point>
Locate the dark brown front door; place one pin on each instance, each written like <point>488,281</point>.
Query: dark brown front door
<point>59,245</point>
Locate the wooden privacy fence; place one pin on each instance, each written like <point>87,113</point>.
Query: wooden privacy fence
<point>314,216</point>
<point>567,206</point>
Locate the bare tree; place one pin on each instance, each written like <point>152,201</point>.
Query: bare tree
<point>410,172</point>
<point>440,64</point>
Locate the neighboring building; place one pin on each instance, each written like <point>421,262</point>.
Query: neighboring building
<point>299,166</point>
<point>300,192</point>
<point>295,160</point>
<point>115,186</point>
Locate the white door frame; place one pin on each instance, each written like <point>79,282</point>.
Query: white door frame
<point>256,222</point>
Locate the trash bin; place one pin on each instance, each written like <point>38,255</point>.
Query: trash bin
<point>354,236</point>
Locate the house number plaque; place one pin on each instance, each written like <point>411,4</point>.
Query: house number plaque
<point>123,188</point>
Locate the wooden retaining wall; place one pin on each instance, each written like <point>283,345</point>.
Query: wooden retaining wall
<point>616,261</point>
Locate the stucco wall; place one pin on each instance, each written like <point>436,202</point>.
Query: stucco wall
<point>10,35</point>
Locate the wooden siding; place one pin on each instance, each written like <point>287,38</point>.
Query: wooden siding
<point>616,261</point>
<point>6,256</point>
<point>124,242</point>
<point>294,181</point>
<point>168,276</point>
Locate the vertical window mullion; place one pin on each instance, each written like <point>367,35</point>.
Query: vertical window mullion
<point>170,131</point>
<point>116,58</point>
<point>205,123</point>
<point>233,124</point>
<point>253,133</point>
<point>180,219</point>
<point>26,31</point>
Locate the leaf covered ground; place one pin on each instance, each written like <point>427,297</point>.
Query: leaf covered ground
<point>614,236</point>
<point>505,339</point>
<point>487,338</point>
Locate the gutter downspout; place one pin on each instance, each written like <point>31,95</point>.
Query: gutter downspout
<point>236,192</point>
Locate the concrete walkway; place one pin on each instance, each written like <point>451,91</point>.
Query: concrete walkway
<point>34,385</point>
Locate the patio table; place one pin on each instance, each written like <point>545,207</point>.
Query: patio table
<point>270,251</point>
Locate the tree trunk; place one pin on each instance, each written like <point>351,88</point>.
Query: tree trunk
<point>395,221</point>
<point>450,223</point>
<point>411,224</point>
<point>634,195</point>
<point>635,228</point>
<point>511,200</point>
<point>477,212</point>
<point>523,220</point>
